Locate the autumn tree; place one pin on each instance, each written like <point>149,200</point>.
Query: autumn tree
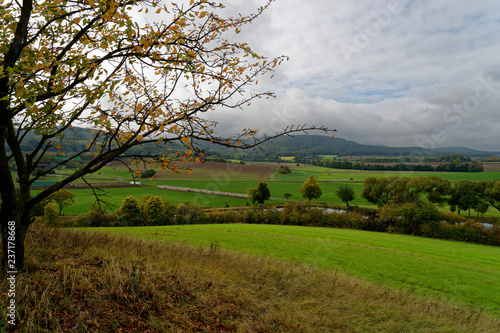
<point>310,189</point>
<point>63,198</point>
<point>135,72</point>
<point>252,194</point>
<point>129,212</point>
<point>155,210</point>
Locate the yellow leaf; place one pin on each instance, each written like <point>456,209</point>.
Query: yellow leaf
<point>158,11</point>
<point>202,14</point>
<point>332,136</point>
<point>76,20</point>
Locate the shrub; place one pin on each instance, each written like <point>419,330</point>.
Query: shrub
<point>188,213</point>
<point>39,209</point>
<point>51,214</point>
<point>408,218</point>
<point>453,218</point>
<point>148,173</point>
<point>389,217</point>
<point>97,217</point>
<point>414,215</point>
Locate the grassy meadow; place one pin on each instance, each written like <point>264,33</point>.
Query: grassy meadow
<point>456,272</point>
<point>251,278</point>
<point>98,282</point>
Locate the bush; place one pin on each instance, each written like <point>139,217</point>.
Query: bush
<point>51,214</point>
<point>148,173</point>
<point>389,217</point>
<point>39,209</point>
<point>97,217</point>
<point>409,218</point>
<point>188,213</point>
<point>453,218</point>
<point>414,215</point>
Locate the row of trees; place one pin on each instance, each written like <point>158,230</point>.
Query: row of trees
<point>463,195</point>
<point>456,166</point>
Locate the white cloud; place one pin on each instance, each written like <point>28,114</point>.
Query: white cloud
<point>407,86</point>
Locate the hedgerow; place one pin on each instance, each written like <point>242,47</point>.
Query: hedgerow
<point>419,218</point>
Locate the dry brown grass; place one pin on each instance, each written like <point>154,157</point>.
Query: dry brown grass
<point>82,282</point>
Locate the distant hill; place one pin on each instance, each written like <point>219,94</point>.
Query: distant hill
<point>312,145</point>
<point>299,145</point>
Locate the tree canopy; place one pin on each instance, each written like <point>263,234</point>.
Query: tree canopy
<point>345,193</point>
<point>310,189</point>
<point>131,71</point>
<point>259,194</point>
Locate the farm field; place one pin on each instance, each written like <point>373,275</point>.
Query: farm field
<point>237,178</point>
<point>322,173</point>
<point>456,272</point>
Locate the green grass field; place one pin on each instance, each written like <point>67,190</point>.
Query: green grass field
<point>461,273</point>
<point>101,282</point>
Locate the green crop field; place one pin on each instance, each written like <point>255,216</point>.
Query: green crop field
<point>456,272</point>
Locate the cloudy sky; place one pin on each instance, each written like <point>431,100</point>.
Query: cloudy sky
<point>392,72</point>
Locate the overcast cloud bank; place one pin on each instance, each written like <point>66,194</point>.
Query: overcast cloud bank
<point>396,73</point>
